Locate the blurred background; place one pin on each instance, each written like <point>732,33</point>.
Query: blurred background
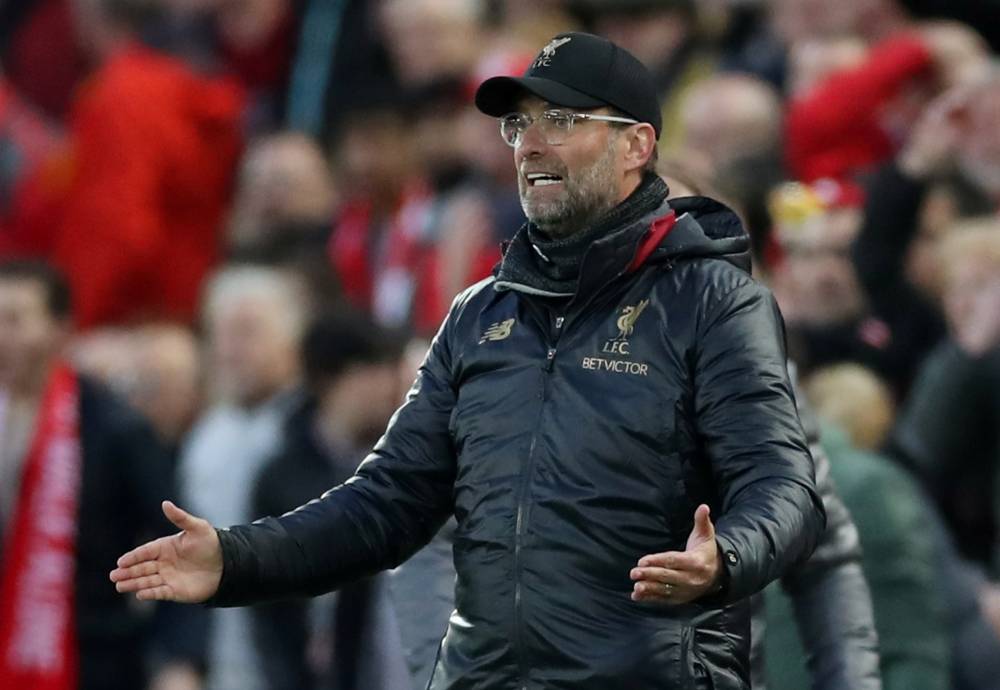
<point>262,210</point>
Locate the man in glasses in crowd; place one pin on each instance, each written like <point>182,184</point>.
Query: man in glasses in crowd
<point>609,418</point>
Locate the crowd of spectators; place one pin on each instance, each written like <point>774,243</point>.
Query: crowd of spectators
<point>263,209</point>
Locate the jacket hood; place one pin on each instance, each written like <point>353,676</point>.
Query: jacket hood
<point>705,228</point>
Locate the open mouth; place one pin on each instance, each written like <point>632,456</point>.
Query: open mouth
<point>542,179</point>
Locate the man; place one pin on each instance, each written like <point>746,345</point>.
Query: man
<point>834,311</point>
<point>349,641</point>
<point>154,146</point>
<point>78,473</point>
<point>583,413</point>
<point>254,319</point>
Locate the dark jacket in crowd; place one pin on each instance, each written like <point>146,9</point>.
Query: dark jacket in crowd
<point>829,595</point>
<point>300,472</point>
<point>566,455</point>
<point>125,475</point>
<point>914,325</point>
<point>949,434</point>
<point>902,565</point>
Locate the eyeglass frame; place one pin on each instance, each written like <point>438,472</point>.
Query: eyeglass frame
<point>548,114</point>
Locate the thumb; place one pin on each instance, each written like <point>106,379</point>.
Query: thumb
<point>703,529</point>
<point>182,519</point>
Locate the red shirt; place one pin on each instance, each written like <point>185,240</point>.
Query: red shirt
<point>155,147</point>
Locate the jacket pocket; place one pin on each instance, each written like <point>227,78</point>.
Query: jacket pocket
<point>694,671</point>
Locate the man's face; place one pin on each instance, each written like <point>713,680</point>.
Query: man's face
<point>29,335</point>
<point>820,285</point>
<point>253,352</point>
<point>972,305</point>
<point>588,166</point>
<point>361,399</point>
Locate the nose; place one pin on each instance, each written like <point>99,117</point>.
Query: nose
<point>532,144</point>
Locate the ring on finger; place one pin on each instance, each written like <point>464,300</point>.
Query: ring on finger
<point>668,589</point>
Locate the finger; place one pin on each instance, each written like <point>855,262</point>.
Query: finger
<point>656,592</point>
<point>140,570</point>
<point>181,518</point>
<point>703,526</point>
<point>675,560</point>
<point>149,551</point>
<point>661,575</point>
<point>139,583</point>
<point>161,593</point>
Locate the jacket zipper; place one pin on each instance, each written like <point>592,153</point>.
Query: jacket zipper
<point>558,327</point>
<point>522,507</point>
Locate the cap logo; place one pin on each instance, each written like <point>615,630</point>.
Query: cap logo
<point>545,57</point>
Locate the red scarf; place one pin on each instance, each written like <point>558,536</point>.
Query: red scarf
<point>38,648</point>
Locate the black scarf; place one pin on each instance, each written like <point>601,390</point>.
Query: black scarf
<point>536,263</point>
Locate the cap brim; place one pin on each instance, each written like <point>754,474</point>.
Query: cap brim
<point>500,95</point>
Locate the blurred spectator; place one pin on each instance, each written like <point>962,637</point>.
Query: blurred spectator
<point>352,640</point>
<point>730,117</point>
<point>166,386</point>
<point>942,203</point>
<point>979,148</point>
<point>830,318</point>
<point>848,120</point>
<point>155,367</point>
<point>854,399</point>
<point>916,198</point>
<point>41,52</point>
<point>431,40</point>
<point>253,320</point>
<point>381,242</point>
<point>970,257</point>
<point>285,192</point>
<point>872,20</point>
<point>731,125</point>
<point>474,204</point>
<point>901,565</point>
<point>107,354</point>
<point>284,206</point>
<point>154,149</point>
<point>256,42</point>
<point>829,595</point>
<point>28,141</point>
<point>664,35</point>
<point>72,510</point>
<point>423,588</point>
<point>948,428</point>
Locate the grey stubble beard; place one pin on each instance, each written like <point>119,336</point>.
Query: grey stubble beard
<point>588,195</point>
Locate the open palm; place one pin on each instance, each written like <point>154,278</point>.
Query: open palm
<point>185,567</point>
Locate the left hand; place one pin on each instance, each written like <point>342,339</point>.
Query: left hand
<point>690,573</point>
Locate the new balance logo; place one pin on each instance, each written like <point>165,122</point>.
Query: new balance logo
<point>498,331</point>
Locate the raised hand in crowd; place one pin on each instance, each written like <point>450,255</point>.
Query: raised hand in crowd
<point>961,56</point>
<point>933,143</point>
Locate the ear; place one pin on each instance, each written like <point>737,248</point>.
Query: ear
<point>641,141</point>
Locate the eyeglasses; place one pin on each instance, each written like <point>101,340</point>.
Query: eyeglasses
<point>555,126</point>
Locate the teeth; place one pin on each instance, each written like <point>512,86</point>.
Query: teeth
<point>540,179</point>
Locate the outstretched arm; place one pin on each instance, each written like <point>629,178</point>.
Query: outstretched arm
<point>397,500</point>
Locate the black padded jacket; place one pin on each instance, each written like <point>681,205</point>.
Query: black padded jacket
<point>569,442</point>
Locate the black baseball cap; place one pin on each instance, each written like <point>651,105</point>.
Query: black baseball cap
<point>578,70</point>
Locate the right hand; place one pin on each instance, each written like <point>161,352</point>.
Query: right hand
<point>185,567</point>
<point>933,143</point>
<point>960,55</point>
